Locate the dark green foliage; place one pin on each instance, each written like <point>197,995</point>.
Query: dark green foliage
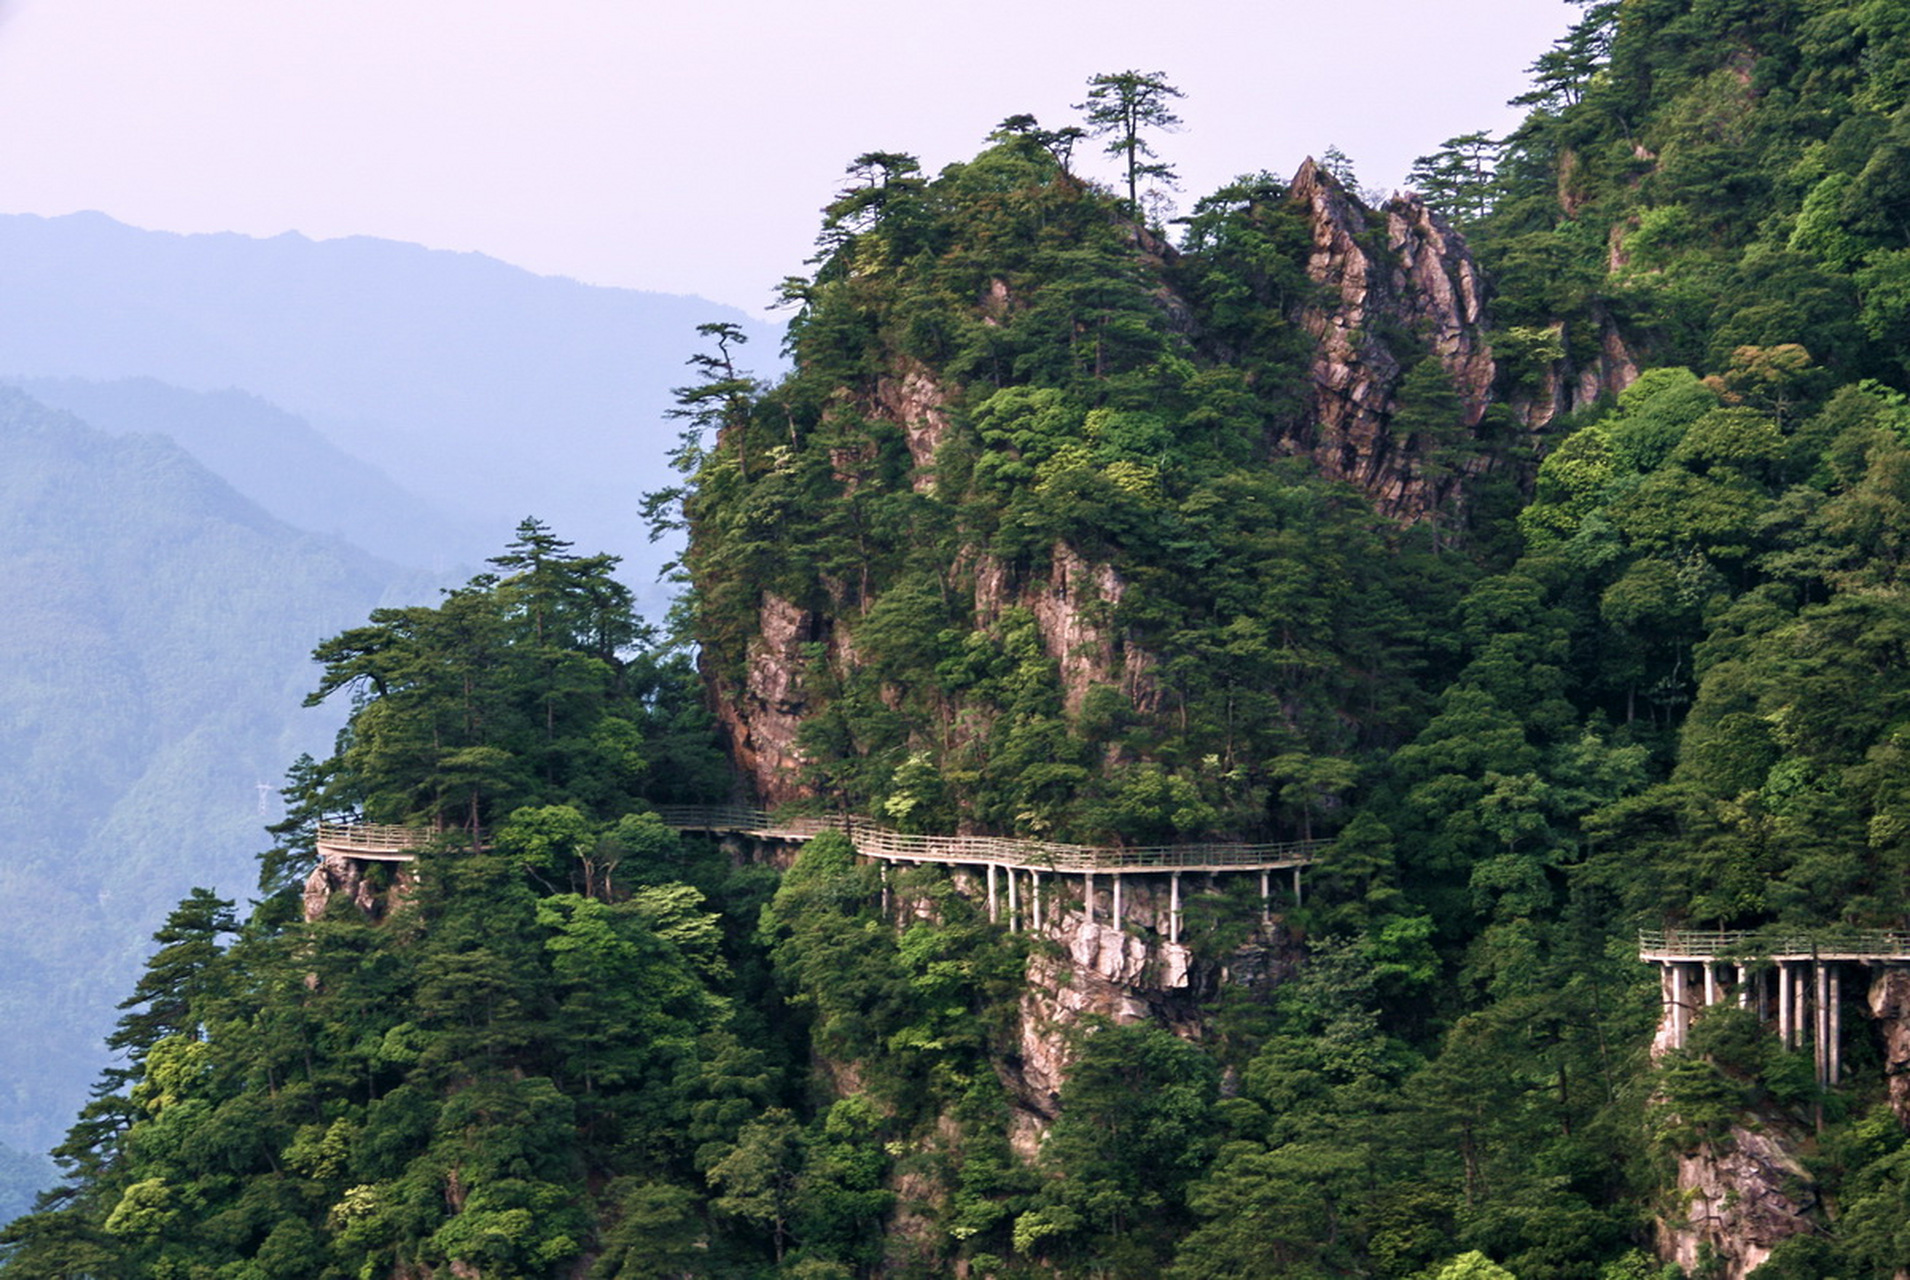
<point>520,689</point>
<point>1669,686</point>
<point>1137,1124</point>
<point>1742,171</point>
<point>445,1084</point>
<point>1457,179</point>
<point>1119,107</point>
<point>1087,440</point>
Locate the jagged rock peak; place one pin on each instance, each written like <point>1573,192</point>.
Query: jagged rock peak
<point>1421,280</point>
<point>1322,191</point>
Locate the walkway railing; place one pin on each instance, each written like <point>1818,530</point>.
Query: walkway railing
<point>875,841</point>
<point>376,840</point>
<point>362,839</point>
<point>1792,944</point>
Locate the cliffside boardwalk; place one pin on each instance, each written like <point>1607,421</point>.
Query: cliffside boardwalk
<point>1794,977</point>
<point>1004,860</point>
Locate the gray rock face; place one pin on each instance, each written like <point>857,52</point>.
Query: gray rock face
<point>1890,1005</point>
<point>1738,1201</point>
<point>339,876</point>
<point>1131,974</point>
<point>762,721</point>
<point>1402,269</point>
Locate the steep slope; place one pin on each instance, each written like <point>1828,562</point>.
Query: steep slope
<point>1696,179</point>
<point>158,638</point>
<point>1053,470</point>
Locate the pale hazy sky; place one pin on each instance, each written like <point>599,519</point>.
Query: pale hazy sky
<point>661,145</point>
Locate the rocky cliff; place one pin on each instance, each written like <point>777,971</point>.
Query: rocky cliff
<point>1390,290</point>
<point>373,888</point>
<point>1736,1200</point>
<point>1080,968</point>
<point>1889,1001</point>
<point>1397,270</point>
<point>1739,1196</point>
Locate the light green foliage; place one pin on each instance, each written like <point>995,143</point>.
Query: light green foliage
<point>1470,1266</point>
<point>1653,415</point>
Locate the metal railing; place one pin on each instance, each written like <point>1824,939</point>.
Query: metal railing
<point>1698,944</point>
<point>876,841</point>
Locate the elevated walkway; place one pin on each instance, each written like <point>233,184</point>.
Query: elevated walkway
<point>873,840</point>
<point>372,841</point>
<point>1792,977</point>
<point>999,858</point>
<point>1664,946</point>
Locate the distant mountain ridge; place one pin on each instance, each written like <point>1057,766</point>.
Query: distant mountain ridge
<point>279,461</point>
<point>489,391</point>
<point>155,653</point>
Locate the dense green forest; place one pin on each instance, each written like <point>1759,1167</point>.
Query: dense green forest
<point>1043,535</point>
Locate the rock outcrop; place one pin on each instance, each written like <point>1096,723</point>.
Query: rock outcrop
<point>1129,974</point>
<point>1736,1201</point>
<point>371,887</point>
<point>1890,1006</point>
<point>913,400</point>
<point>1399,271</point>
<point>1737,1197</point>
<point>1396,286</point>
<point>764,717</point>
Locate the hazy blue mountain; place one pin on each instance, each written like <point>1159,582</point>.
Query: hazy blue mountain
<point>490,391</point>
<point>279,461</point>
<point>22,1177</point>
<point>155,652</point>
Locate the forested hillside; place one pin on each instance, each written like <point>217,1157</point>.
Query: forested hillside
<point>131,732</point>
<point>1533,540</point>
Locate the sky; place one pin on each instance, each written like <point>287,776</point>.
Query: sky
<point>680,148</point>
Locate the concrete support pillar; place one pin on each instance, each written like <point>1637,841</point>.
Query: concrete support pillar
<point>1034,892</point>
<point>882,870</point>
<point>1794,981</point>
<point>1173,907</point>
<point>1710,984</point>
<point>1266,896</point>
<point>1296,886</point>
<point>1014,903</point>
<point>1820,1028</point>
<point>1087,896</point>
<point>994,912</point>
<point>1743,973</point>
<point>1835,1046</point>
<point>1117,900</point>
<point>1784,1014</point>
<point>1680,1006</point>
